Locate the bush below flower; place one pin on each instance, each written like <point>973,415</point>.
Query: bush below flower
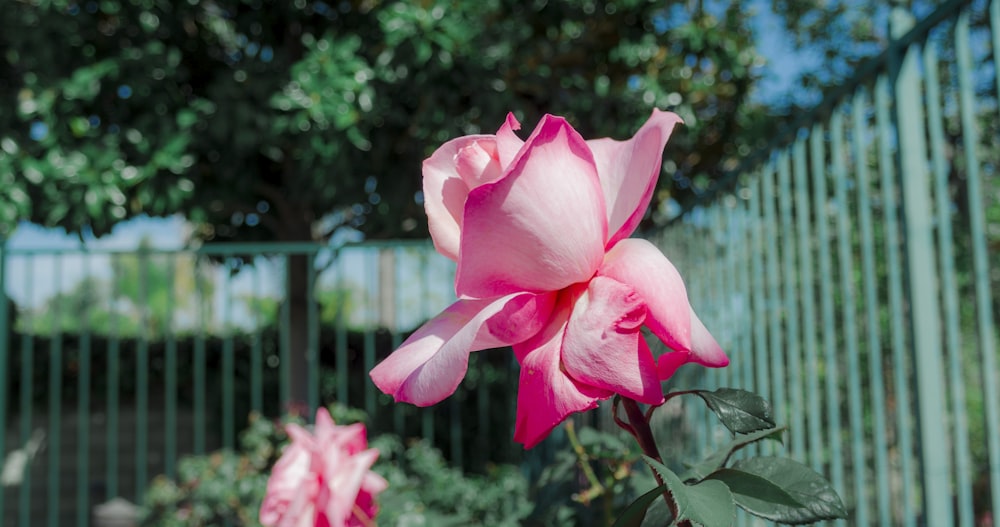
<point>228,487</point>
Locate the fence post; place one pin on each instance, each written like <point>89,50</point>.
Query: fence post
<point>914,177</point>
<point>4,350</point>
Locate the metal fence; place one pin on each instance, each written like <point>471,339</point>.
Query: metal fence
<point>854,273</point>
<point>114,363</point>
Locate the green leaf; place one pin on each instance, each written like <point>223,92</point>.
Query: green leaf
<point>816,499</point>
<point>708,504</point>
<point>718,459</point>
<point>741,411</point>
<point>755,494</point>
<point>635,513</point>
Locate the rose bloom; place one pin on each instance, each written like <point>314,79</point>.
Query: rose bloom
<point>323,478</point>
<point>540,232</point>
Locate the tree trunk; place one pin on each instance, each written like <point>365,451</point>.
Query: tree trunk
<point>299,296</point>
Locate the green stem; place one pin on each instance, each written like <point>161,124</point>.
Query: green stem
<point>596,489</point>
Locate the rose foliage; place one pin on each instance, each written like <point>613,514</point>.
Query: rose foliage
<point>540,232</point>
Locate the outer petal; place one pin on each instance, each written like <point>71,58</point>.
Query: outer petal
<point>343,483</point>
<point>641,265</point>
<point>432,362</point>
<point>704,349</point>
<point>539,228</point>
<point>508,143</point>
<point>445,190</point>
<point>629,170</point>
<point>604,347</point>
<point>546,394</point>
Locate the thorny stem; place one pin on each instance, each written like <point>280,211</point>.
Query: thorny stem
<point>638,426</point>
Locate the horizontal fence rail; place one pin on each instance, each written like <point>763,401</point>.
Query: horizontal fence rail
<point>854,274</point>
<point>115,364</point>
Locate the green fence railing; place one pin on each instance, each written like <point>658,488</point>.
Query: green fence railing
<point>115,363</point>
<point>854,273</point>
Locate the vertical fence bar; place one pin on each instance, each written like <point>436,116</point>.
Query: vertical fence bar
<point>870,279</point>
<point>949,289</point>
<point>830,370</point>
<point>374,287</point>
<point>792,351</point>
<point>758,299</point>
<point>54,439</point>
<point>199,362</point>
<point>398,416</point>
<point>848,308</point>
<point>980,254</point>
<point>922,276</point>
<point>313,329</point>
<point>427,415</point>
<point>228,361</point>
<point>83,409</point>
<point>747,223</point>
<point>285,338</point>
<point>807,301</point>
<point>142,379</point>
<point>887,170</point>
<point>340,346</point>
<point>256,348</point>
<point>27,394</point>
<point>5,333</point>
<point>170,373</point>
<point>773,302</point>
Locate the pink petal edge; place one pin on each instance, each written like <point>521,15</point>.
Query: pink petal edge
<point>629,171</point>
<point>430,364</point>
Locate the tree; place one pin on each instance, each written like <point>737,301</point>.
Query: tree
<point>295,120</point>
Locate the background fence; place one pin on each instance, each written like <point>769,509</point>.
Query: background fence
<point>853,273</point>
<point>116,363</point>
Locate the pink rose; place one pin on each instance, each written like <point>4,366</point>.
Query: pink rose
<point>323,479</point>
<point>539,229</point>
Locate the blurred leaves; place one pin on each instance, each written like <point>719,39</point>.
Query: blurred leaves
<point>314,117</point>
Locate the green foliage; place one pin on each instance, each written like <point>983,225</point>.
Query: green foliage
<point>707,494</point>
<point>296,120</point>
<point>424,490</point>
<point>228,486</point>
<point>781,490</point>
<point>590,483</point>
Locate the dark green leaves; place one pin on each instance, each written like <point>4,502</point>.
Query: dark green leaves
<point>781,490</point>
<point>741,411</point>
<point>707,504</point>
<point>707,494</point>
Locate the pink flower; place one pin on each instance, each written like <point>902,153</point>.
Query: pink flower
<point>323,479</point>
<point>539,229</point>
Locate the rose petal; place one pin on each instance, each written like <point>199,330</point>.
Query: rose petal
<point>604,346</point>
<point>508,143</point>
<point>445,190</point>
<point>343,483</point>
<point>629,170</point>
<point>432,362</point>
<point>640,264</point>
<point>704,348</point>
<point>546,394</point>
<point>539,228</point>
